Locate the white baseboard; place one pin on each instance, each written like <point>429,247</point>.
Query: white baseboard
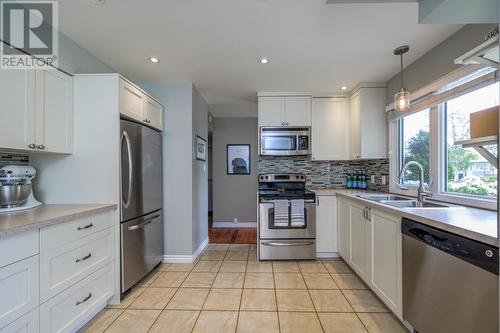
<point>234,225</point>
<point>185,259</point>
<point>327,255</point>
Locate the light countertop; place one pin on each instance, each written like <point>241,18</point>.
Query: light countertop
<point>473,223</point>
<point>46,215</point>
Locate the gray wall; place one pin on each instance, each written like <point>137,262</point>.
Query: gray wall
<point>177,165</point>
<point>234,196</point>
<point>185,181</point>
<point>74,59</point>
<point>199,172</point>
<point>439,61</point>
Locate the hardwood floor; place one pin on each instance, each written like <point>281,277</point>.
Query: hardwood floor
<point>232,235</point>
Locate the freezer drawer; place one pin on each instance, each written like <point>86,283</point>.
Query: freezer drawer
<point>287,249</point>
<point>141,247</point>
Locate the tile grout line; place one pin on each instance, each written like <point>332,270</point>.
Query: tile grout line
<point>310,298</point>
<point>276,298</point>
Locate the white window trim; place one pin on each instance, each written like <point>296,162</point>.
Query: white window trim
<point>436,165</point>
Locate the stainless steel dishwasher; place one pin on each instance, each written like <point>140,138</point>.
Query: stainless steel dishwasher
<point>450,283</point>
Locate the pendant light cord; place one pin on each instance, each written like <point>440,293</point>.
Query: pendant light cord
<point>402,82</point>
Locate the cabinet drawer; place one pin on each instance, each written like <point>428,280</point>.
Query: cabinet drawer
<point>17,247</point>
<point>29,323</point>
<point>69,310</point>
<point>18,289</point>
<point>57,235</point>
<point>61,267</point>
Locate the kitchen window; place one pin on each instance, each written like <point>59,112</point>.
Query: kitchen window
<point>430,134</point>
<point>414,145</point>
<point>466,171</point>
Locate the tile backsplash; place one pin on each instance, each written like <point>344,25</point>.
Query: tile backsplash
<point>328,174</point>
<point>8,157</point>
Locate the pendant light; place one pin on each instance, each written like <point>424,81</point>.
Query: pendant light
<point>402,97</point>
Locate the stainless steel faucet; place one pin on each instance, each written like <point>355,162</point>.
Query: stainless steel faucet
<point>421,192</point>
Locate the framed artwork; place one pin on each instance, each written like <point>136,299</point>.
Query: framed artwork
<point>201,149</point>
<point>238,159</point>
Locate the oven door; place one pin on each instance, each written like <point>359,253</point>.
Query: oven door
<point>267,230</point>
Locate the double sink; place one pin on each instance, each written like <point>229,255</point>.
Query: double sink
<point>402,202</point>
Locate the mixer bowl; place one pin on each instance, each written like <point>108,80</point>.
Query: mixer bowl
<point>13,195</point>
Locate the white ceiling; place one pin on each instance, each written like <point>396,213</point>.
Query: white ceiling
<point>216,44</point>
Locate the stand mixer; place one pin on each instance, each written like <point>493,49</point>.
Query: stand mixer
<point>16,192</point>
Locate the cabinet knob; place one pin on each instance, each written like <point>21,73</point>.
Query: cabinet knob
<point>32,146</point>
<point>42,147</point>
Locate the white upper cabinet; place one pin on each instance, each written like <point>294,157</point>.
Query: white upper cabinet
<point>271,111</point>
<point>17,114</point>
<point>330,130</point>
<point>137,105</point>
<point>37,110</point>
<point>153,113</point>
<point>54,114</point>
<point>131,101</point>
<point>368,123</point>
<point>298,110</point>
<point>284,111</point>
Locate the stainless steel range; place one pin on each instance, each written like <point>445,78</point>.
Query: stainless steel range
<point>287,218</point>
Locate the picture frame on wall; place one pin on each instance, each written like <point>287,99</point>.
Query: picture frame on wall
<point>201,149</point>
<point>238,159</point>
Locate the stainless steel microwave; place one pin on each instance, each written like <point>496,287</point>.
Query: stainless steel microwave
<point>284,141</point>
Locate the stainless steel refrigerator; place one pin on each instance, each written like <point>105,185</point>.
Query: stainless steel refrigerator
<point>141,202</point>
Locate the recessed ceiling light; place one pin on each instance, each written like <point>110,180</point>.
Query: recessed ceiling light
<point>343,88</point>
<point>264,61</point>
<point>155,60</point>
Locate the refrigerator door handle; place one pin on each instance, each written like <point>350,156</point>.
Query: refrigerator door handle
<point>125,137</point>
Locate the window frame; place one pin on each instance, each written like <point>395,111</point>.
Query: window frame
<point>437,163</point>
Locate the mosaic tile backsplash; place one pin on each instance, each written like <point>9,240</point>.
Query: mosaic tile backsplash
<point>328,174</point>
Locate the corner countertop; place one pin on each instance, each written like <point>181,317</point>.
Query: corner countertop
<point>46,215</point>
<point>472,223</point>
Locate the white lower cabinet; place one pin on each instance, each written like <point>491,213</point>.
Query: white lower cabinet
<point>386,278</point>
<point>326,226</point>
<point>344,229</point>
<point>360,241</point>
<point>63,266</point>
<point>29,323</point>
<point>68,311</point>
<point>19,289</point>
<point>370,242</point>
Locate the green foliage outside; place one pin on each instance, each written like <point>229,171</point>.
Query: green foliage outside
<point>459,161</point>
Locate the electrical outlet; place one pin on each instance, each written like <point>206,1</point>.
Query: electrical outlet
<point>372,180</point>
<point>235,220</point>
<point>383,180</point>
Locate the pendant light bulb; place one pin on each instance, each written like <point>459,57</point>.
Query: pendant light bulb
<point>402,97</point>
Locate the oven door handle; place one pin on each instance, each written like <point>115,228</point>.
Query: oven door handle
<point>275,243</point>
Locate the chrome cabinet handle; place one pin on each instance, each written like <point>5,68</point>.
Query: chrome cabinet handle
<point>283,124</point>
<point>125,137</point>
<point>287,123</point>
<point>317,201</point>
<point>84,300</point>
<point>32,146</point>
<point>90,225</point>
<point>84,258</point>
<point>42,147</point>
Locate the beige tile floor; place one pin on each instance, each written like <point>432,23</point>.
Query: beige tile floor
<point>227,290</point>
